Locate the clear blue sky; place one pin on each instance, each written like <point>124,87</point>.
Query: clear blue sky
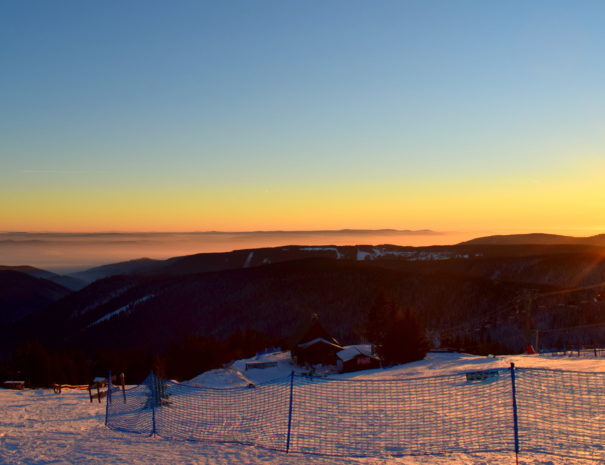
<point>250,114</point>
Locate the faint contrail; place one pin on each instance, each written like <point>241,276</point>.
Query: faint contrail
<point>64,171</point>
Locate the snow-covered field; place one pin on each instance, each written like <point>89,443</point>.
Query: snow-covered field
<point>40,427</point>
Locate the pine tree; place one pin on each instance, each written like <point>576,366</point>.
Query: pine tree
<point>397,335</point>
<point>377,321</point>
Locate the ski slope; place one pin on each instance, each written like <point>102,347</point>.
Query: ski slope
<point>40,427</point>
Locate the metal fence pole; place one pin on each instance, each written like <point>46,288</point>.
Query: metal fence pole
<point>108,400</point>
<point>515,416</point>
<point>290,411</point>
<point>123,383</point>
<point>153,400</point>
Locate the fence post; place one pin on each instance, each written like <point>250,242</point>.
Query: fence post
<point>290,411</point>
<point>515,417</point>
<point>108,401</point>
<point>153,399</point>
<point>123,383</point>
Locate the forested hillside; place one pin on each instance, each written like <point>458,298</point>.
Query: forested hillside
<point>477,298</point>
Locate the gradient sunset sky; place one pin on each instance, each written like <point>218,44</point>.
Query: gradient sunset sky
<point>300,115</point>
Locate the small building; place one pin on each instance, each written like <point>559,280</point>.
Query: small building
<point>19,385</point>
<point>355,358</point>
<point>317,351</point>
<point>315,346</point>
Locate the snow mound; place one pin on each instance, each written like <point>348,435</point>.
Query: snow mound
<point>280,366</point>
<point>219,378</point>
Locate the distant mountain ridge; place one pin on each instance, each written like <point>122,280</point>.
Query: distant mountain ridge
<point>22,294</point>
<point>70,282</point>
<point>496,246</point>
<point>537,239</point>
<point>72,252</point>
<point>139,265</point>
<point>215,261</point>
<point>36,236</point>
<point>248,258</point>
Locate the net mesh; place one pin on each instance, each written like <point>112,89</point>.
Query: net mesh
<point>131,411</point>
<point>256,416</point>
<point>559,412</point>
<point>402,417</point>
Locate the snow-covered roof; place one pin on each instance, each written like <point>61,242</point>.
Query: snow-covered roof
<point>317,340</point>
<point>350,352</point>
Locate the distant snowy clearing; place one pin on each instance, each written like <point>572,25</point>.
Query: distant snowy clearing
<point>434,364</point>
<point>40,427</point>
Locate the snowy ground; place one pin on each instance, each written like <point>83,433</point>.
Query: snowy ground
<point>40,427</point>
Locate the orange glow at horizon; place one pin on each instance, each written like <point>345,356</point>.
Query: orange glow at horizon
<point>561,204</point>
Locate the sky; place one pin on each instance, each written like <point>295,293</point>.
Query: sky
<point>148,116</point>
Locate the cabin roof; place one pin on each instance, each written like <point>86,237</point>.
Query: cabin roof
<point>349,353</point>
<point>318,340</point>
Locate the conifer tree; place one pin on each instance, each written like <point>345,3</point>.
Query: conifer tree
<point>397,335</point>
<point>377,320</point>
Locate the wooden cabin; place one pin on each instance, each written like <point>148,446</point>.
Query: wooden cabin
<point>355,358</point>
<point>315,346</point>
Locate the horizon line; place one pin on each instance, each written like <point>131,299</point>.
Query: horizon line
<point>267,231</point>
